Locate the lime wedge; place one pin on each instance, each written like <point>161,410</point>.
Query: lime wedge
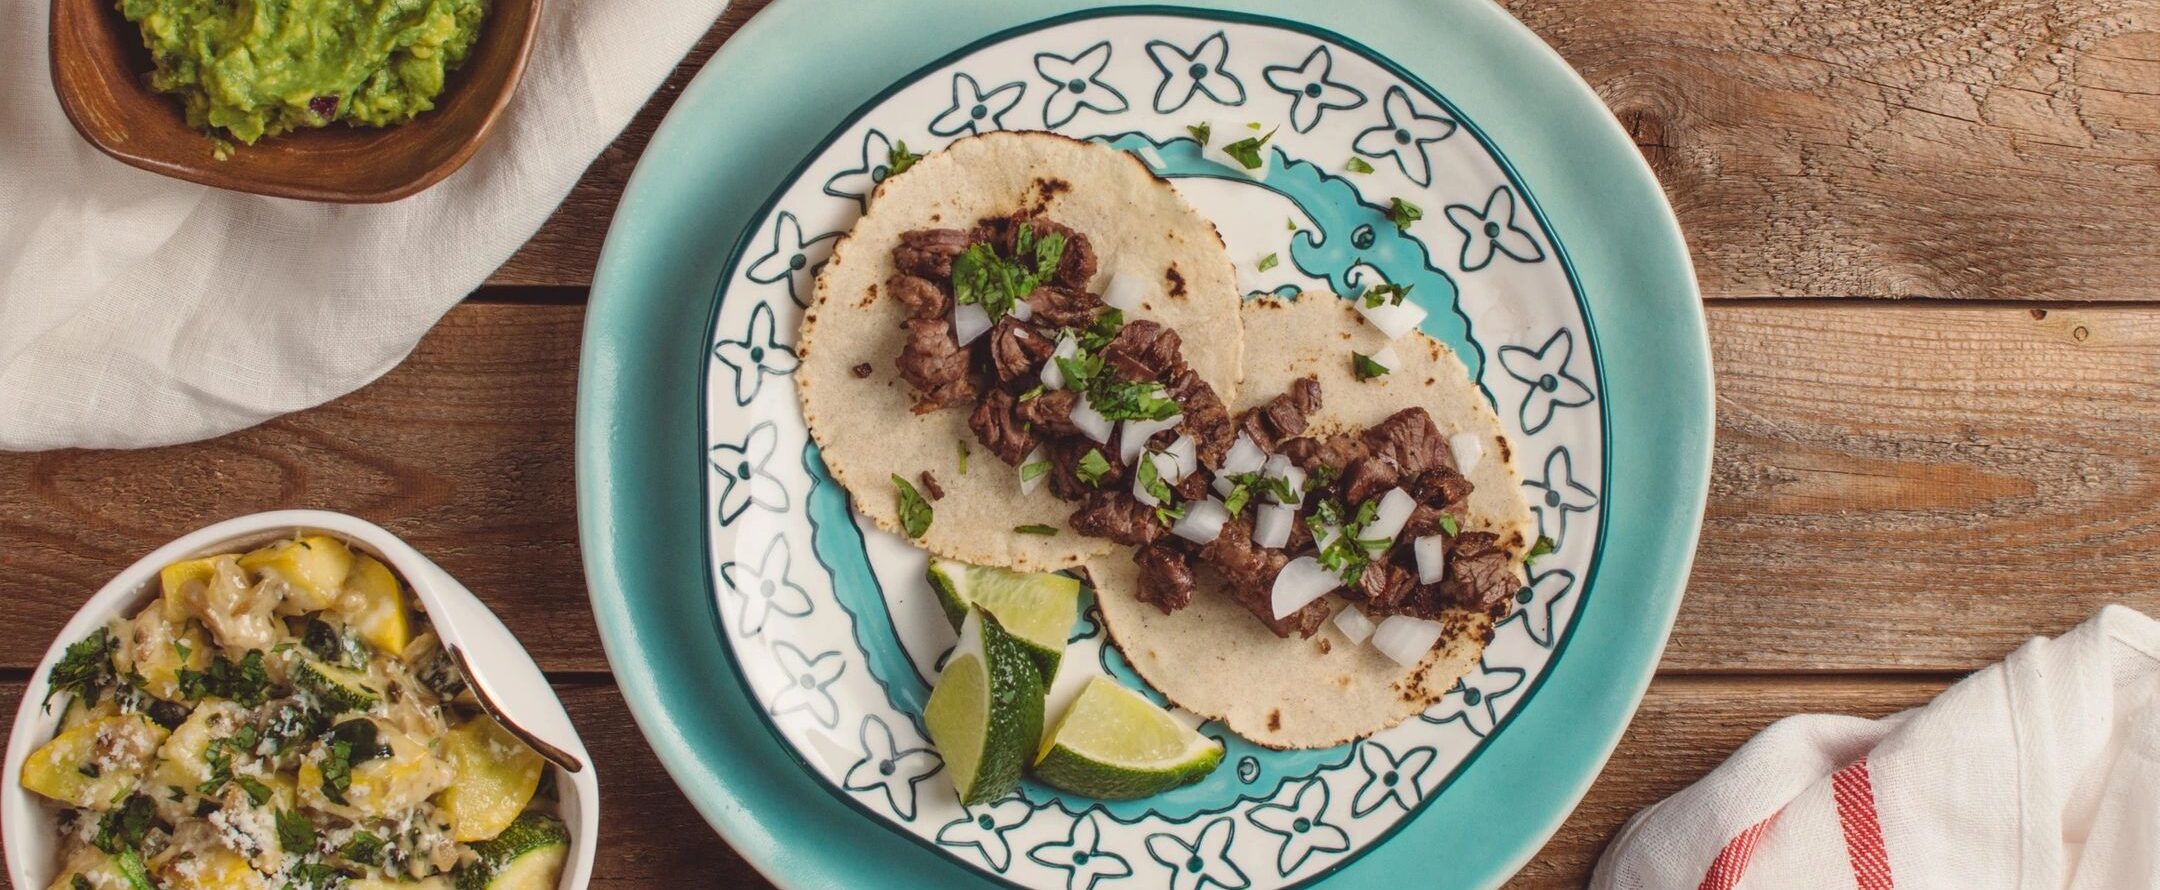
<point>1114,744</point>
<point>1037,608</point>
<point>985,715</point>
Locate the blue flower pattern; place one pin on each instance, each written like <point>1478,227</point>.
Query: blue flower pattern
<point>1312,91</point>
<point>1204,862</point>
<point>765,589</point>
<point>1558,494</point>
<point>1404,135</point>
<point>792,258</point>
<point>976,111</point>
<point>1077,83</point>
<point>1196,73</point>
<point>888,769</point>
<point>1475,700</point>
<point>746,473</point>
<point>1081,856</point>
<point>758,355</point>
<point>1299,822</point>
<point>1492,230</point>
<point>1545,371</point>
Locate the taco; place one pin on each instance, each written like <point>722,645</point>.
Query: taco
<point>1381,467</point>
<point>931,357</point>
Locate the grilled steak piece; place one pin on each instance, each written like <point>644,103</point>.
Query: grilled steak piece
<point>1050,413</point>
<point>1066,452</point>
<point>1206,420</point>
<point>1166,580</point>
<point>1063,307</point>
<point>928,253</point>
<point>1017,352</point>
<point>1479,573</point>
<point>1143,350</point>
<point>1441,486</point>
<point>1114,515</point>
<point>1367,478</point>
<point>935,365</point>
<point>1409,438</point>
<point>994,423</point>
<point>1249,571</point>
<point>922,299</point>
<point>1283,416</point>
<point>1385,584</point>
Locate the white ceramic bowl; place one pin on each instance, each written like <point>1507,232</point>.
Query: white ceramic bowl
<point>504,677</point>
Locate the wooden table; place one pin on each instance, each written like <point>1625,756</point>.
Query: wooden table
<point>1929,239</point>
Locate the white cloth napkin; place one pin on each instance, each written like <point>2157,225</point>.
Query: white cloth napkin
<point>2039,772</point>
<point>137,310</point>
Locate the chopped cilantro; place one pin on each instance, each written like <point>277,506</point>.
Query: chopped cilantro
<point>1253,126</point>
<point>1152,482</point>
<point>1247,151</point>
<point>963,455</point>
<point>1033,470</point>
<point>1092,467</point>
<point>914,511</point>
<point>1268,262</point>
<point>1386,293</point>
<point>1036,529</point>
<point>1449,525</point>
<point>1032,394</point>
<point>1201,133</point>
<point>1080,370</point>
<point>1289,225</point>
<point>1123,400</point>
<point>245,682</point>
<point>1543,546</point>
<point>1168,514</point>
<point>1102,330</point>
<point>1357,165</point>
<point>314,876</point>
<point>1347,555</point>
<point>131,867</point>
<point>123,827</point>
<point>1365,367</point>
<point>1403,213</point>
<point>1240,494</point>
<point>90,769</point>
<point>363,848</point>
<point>295,833</point>
<point>182,649</point>
<point>337,771</point>
<point>85,669</point>
<point>898,159</point>
<point>982,277</point>
<point>257,792</point>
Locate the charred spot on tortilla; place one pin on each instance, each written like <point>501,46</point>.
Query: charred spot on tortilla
<point>1047,190</point>
<point>1274,719</point>
<point>1325,646</point>
<point>862,370</point>
<point>1175,280</point>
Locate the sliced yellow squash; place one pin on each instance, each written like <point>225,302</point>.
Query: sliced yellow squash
<point>374,606</point>
<point>496,777</point>
<point>214,869</point>
<point>174,580</point>
<point>383,787</point>
<point>71,769</point>
<point>182,758</point>
<point>314,567</point>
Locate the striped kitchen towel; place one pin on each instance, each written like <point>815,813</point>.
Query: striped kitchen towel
<point>2039,772</point>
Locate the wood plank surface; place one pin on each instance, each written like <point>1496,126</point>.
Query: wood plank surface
<point>1914,487</point>
<point>2000,149</point>
<point>652,837</point>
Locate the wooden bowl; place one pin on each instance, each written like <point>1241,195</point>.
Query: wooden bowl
<point>99,69</point>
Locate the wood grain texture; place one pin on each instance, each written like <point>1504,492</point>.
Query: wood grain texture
<point>652,837</point>
<point>2005,149</point>
<point>1911,487</point>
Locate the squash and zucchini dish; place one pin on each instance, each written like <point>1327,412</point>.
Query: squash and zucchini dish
<point>284,720</point>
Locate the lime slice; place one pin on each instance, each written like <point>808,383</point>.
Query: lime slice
<point>985,715</point>
<point>1037,608</point>
<point>1114,744</point>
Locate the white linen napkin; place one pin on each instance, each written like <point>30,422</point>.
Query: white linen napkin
<point>137,310</point>
<point>2039,772</point>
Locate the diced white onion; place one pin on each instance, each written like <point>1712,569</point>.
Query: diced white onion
<point>1275,464</point>
<point>1299,583</point>
<point>1245,456</point>
<point>1271,525</point>
<point>1406,639</point>
<point>1133,438</point>
<point>1027,486</point>
<point>1469,449</point>
<point>1386,357</point>
<point>1202,522</point>
<point>1165,465</point>
<point>1022,311</point>
<point>969,321</point>
<point>1223,485</point>
<point>1393,319</point>
<point>1187,456</point>
<point>1053,376</point>
<point>1090,421</point>
<point>1431,552</point>
<point>1279,467</point>
<point>1388,518</point>
<point>1328,533</point>
<point>1354,625</point>
<point>1125,292</point>
<point>1140,492</point>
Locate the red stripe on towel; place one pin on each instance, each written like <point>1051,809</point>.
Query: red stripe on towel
<point>1855,793</point>
<point>1725,870</point>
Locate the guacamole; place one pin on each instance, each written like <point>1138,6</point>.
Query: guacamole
<point>253,68</point>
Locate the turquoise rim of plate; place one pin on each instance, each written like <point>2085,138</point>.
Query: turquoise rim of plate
<point>773,93</point>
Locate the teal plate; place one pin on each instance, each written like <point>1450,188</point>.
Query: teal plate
<point>1542,218</point>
